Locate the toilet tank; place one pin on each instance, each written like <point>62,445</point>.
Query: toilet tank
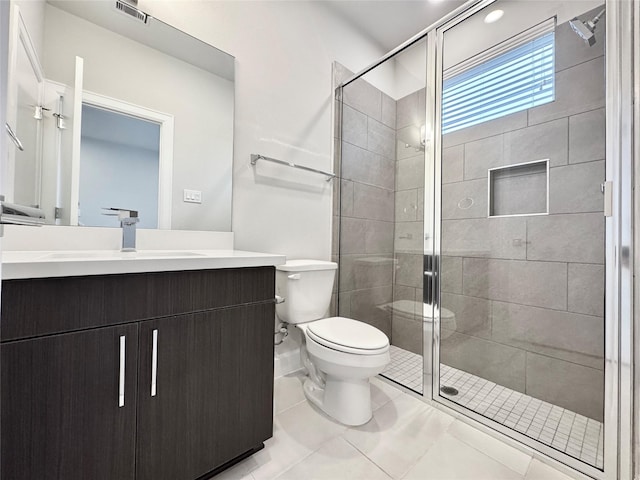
<point>306,286</point>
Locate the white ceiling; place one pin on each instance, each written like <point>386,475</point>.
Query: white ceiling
<point>391,22</point>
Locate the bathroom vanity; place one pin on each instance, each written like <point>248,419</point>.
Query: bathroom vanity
<point>160,374</point>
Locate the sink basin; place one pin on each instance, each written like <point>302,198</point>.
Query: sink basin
<point>117,255</point>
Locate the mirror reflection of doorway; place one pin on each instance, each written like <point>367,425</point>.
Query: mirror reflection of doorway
<point>119,166</point>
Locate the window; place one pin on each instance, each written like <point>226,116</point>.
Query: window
<point>510,77</point>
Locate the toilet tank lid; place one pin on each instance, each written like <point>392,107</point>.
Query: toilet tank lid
<point>306,265</point>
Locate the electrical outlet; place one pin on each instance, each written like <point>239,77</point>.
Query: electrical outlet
<point>192,196</point>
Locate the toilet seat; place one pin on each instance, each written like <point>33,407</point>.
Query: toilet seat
<point>348,336</point>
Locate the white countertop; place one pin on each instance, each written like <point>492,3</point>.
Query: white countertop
<point>66,263</point>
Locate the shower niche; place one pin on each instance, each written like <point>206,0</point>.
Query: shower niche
<point>521,189</point>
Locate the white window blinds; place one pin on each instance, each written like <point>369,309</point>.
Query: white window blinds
<point>510,77</point>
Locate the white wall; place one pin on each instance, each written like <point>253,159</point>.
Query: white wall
<point>284,52</point>
<point>32,12</point>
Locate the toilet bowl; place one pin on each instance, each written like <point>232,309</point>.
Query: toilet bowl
<point>340,354</point>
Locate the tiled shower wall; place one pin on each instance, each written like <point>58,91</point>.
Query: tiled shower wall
<point>528,292</point>
<point>366,217</point>
<point>409,222</point>
<point>378,231</point>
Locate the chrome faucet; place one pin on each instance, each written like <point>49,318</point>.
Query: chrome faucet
<point>128,220</point>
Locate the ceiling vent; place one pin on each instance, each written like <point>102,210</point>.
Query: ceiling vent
<point>131,11</point>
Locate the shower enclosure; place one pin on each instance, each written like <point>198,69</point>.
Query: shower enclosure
<point>380,215</point>
<point>474,221</point>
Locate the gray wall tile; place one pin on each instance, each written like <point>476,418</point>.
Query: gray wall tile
<point>407,111</point>
<point>409,270</point>
<point>464,200</point>
<point>486,129</point>
<point>406,333</point>
<point>453,164</point>
<point>381,139</point>
<point>360,165</point>
<point>352,232</point>
<point>368,306</point>
<point>400,292</point>
<point>408,237</point>
<point>344,304</point>
<point>408,142</point>
<point>577,238</point>
<point>488,237</point>
<point>388,111</point>
<point>563,335</point>
<point>335,233</point>
<point>565,384</point>
<point>346,200</point>
<point>539,142</point>
<point>578,89</point>
<point>587,136</point>
<point>542,284</point>
<point>410,173</point>
<point>472,314</point>
<point>406,205</point>
<point>481,155</point>
<point>364,97</point>
<point>586,288</point>
<point>373,202</point>
<point>354,127</point>
<point>497,363</point>
<point>576,188</point>
<point>365,271</point>
<point>451,274</point>
<point>366,236</point>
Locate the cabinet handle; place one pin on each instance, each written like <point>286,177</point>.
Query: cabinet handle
<point>154,363</point>
<point>121,382</point>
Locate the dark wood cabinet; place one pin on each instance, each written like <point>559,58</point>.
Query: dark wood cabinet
<point>61,406</point>
<point>213,396</point>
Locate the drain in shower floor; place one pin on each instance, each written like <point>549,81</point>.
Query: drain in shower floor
<point>449,390</point>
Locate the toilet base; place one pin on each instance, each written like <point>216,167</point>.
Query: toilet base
<point>346,400</point>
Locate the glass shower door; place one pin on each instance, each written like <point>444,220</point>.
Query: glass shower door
<point>521,225</point>
<point>380,219</point>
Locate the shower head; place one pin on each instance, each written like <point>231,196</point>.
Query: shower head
<point>586,30</point>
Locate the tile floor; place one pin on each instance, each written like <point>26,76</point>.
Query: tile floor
<point>405,439</point>
<point>405,368</point>
<point>562,429</point>
<point>567,431</point>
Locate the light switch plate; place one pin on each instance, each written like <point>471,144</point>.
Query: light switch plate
<point>192,196</point>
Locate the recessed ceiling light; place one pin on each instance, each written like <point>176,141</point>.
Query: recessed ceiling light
<point>493,16</point>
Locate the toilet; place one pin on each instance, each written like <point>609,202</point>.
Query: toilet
<point>340,354</point>
<point>408,309</point>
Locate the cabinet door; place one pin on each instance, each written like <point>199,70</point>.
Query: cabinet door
<point>69,406</point>
<point>213,392</point>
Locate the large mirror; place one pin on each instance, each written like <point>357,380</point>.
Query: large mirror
<point>115,108</point>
